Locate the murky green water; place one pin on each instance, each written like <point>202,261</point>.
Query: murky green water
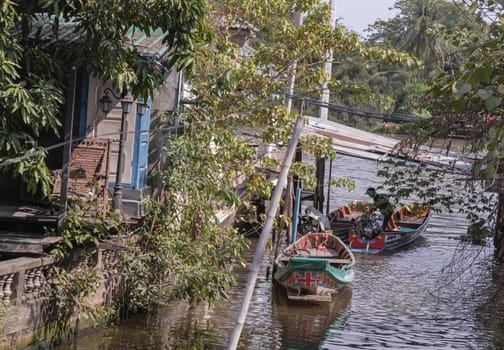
<point>435,294</point>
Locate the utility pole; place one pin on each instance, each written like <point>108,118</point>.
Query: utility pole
<point>323,111</point>
<point>289,91</point>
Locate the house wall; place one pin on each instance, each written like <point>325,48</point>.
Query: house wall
<point>163,104</point>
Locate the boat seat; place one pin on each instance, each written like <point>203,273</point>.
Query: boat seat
<point>332,260</point>
<point>328,252</point>
<point>339,261</point>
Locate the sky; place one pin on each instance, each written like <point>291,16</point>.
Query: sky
<point>356,15</point>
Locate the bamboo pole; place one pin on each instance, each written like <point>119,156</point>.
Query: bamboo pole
<point>265,235</point>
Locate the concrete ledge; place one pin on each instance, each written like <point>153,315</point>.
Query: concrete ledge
<point>226,217</point>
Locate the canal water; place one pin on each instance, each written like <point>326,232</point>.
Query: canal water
<point>438,293</point>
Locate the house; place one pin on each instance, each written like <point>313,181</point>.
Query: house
<point>84,159</point>
<point>102,145</point>
<point>84,163</point>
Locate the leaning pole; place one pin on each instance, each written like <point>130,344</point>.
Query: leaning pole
<point>265,235</point>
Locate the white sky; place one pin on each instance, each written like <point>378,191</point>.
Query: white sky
<point>356,15</point>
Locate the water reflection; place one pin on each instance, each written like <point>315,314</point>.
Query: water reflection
<point>438,293</point>
<point>305,326</point>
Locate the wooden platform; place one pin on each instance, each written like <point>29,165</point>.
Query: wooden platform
<point>362,144</point>
<point>29,218</point>
<point>328,254</point>
<point>323,253</point>
<point>25,243</point>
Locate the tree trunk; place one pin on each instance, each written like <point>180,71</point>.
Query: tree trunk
<point>499,229</point>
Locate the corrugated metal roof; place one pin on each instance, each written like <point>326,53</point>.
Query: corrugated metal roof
<point>43,28</point>
<point>152,45</point>
<point>363,144</point>
<point>68,33</point>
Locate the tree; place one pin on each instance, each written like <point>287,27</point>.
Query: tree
<point>468,100</point>
<point>30,102</point>
<point>210,150</point>
<point>472,98</point>
<point>367,83</point>
<point>33,71</point>
<point>417,29</point>
<point>414,30</point>
<point>182,241</point>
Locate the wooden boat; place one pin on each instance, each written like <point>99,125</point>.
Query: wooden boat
<point>368,237</point>
<point>314,267</point>
<point>340,221</point>
<point>344,219</point>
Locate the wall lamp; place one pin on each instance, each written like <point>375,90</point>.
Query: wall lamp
<point>126,102</point>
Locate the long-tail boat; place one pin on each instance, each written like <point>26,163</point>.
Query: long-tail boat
<point>314,267</point>
<point>368,236</point>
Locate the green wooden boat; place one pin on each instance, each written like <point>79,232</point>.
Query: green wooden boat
<point>314,267</point>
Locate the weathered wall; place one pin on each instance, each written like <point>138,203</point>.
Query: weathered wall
<point>26,308</point>
<point>163,105</point>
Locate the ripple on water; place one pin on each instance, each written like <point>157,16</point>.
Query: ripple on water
<point>431,294</point>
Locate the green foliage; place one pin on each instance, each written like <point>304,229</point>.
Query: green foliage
<point>478,232</point>
<point>402,182</point>
<point>372,76</point>
<point>306,174</point>
<point>343,182</point>
<point>30,103</point>
<point>68,293</point>
<point>75,278</point>
<point>86,223</point>
<point>183,254</point>
<point>34,71</point>
<point>319,147</point>
<point>438,189</point>
<point>391,71</point>
<point>470,100</point>
<point>416,27</point>
<point>4,312</point>
<point>461,47</point>
<point>181,239</point>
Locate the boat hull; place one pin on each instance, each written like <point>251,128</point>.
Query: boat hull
<point>305,278</point>
<point>408,231</point>
<point>318,275</point>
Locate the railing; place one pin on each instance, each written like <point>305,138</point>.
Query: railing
<point>26,294</point>
<point>24,279</point>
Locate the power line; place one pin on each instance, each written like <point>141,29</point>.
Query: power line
<point>43,150</point>
<point>369,113</point>
<point>400,117</point>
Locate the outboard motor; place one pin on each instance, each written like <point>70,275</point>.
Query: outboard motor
<point>368,226</point>
<point>313,221</point>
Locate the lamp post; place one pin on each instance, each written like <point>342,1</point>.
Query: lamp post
<point>106,106</point>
